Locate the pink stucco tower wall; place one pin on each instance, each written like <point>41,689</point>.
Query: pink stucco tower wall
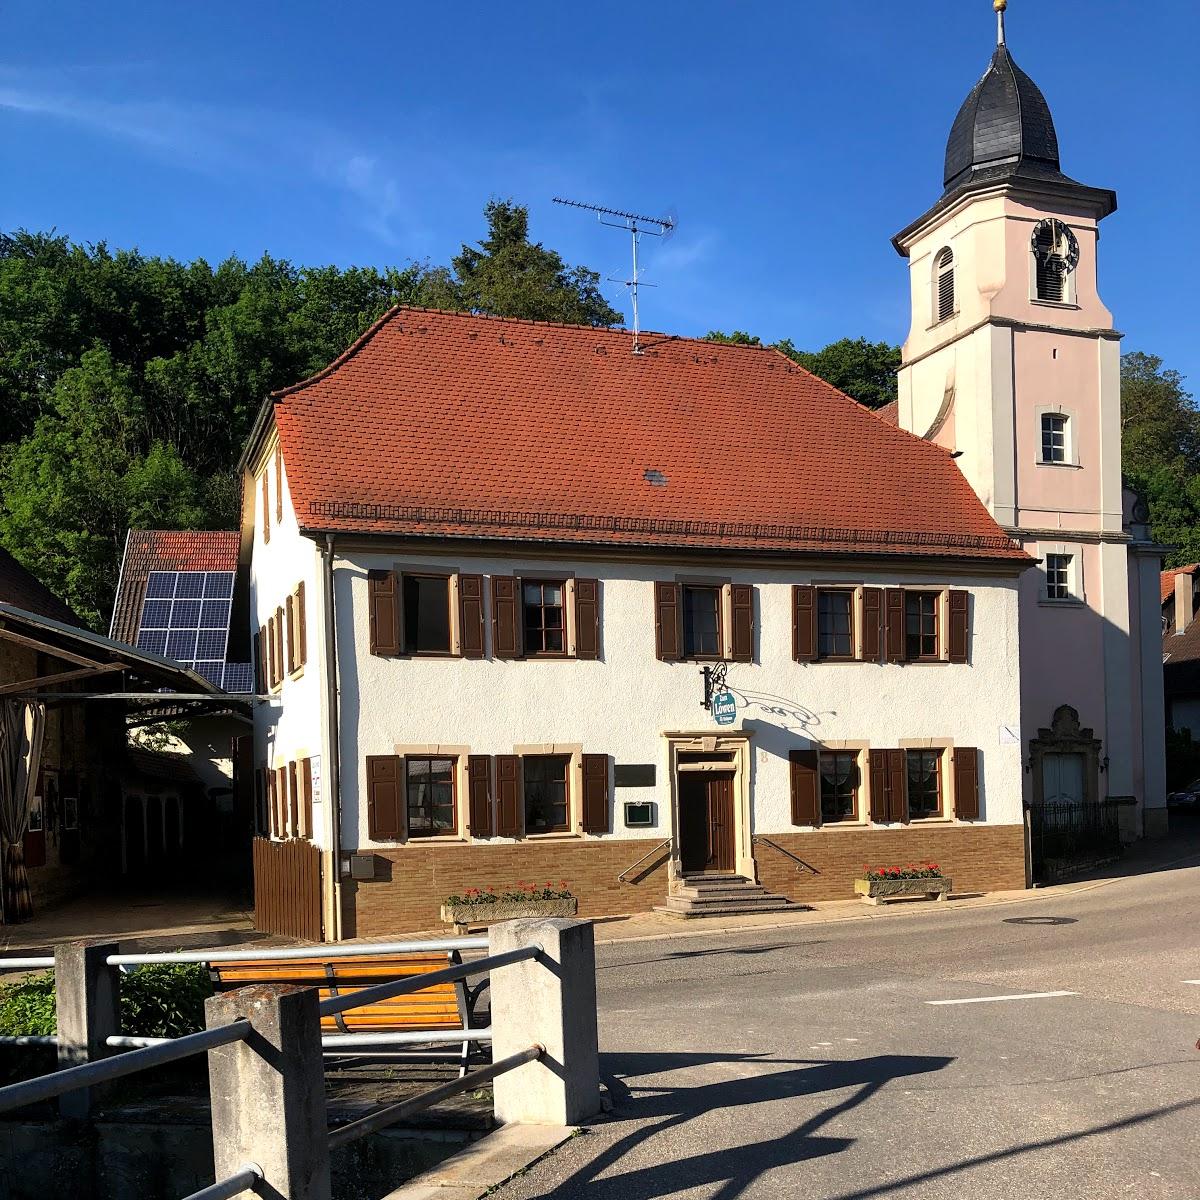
<point>978,375</point>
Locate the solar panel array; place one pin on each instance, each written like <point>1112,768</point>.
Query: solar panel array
<point>185,616</point>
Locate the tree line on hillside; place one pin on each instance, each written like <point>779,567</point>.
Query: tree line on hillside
<point>128,383</point>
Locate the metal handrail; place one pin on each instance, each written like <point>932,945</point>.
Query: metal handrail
<point>384,1117</point>
<point>323,953</point>
<point>650,854</point>
<point>46,1087</point>
<point>224,1189</point>
<point>759,837</point>
<point>418,983</point>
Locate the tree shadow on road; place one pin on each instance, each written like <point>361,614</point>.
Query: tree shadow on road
<point>656,1107</point>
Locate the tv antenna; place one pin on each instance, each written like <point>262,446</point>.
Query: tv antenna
<point>635,224</point>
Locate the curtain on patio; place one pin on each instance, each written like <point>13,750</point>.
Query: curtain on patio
<point>21,728</point>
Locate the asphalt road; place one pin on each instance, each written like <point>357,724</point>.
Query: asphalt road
<point>815,1062</point>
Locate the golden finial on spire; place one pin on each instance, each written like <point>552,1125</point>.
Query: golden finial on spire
<point>1000,6</point>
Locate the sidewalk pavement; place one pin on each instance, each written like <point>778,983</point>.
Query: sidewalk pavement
<point>197,922</point>
<point>139,922</point>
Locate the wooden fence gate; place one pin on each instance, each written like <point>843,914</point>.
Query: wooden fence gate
<point>287,888</point>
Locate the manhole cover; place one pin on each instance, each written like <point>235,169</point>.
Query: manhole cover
<point>1039,920</point>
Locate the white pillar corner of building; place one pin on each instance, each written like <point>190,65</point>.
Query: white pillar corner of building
<point>548,1000</point>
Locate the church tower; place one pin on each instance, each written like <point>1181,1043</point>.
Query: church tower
<point>1013,365</point>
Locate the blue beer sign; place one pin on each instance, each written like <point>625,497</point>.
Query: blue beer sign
<point>724,708</point>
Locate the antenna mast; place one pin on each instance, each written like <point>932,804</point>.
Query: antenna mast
<point>635,224</point>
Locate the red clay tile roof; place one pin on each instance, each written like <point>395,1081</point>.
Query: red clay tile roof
<point>20,589</point>
<point>448,424</point>
<point>1166,581</point>
<point>889,412</point>
<point>149,550</point>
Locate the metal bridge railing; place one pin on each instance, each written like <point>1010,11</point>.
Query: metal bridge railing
<point>265,1048</point>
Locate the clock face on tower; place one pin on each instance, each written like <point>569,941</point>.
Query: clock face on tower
<point>1055,246</point>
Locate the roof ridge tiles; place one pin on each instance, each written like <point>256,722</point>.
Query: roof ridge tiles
<point>649,338</point>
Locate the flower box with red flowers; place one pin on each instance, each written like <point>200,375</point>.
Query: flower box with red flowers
<point>480,907</point>
<point>881,885</point>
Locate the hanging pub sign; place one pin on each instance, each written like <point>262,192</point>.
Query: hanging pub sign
<point>724,708</point>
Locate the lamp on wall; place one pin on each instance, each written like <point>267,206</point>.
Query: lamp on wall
<point>1104,764</point>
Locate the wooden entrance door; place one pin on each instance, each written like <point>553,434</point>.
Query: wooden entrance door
<point>706,833</point>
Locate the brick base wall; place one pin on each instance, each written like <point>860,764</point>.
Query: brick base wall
<point>411,881</point>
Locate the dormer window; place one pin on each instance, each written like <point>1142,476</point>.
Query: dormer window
<point>943,278</point>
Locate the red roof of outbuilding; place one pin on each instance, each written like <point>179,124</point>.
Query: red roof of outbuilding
<point>149,550</point>
<point>447,424</point>
<point>1166,580</point>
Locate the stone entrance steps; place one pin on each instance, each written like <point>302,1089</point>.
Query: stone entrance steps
<point>720,896</point>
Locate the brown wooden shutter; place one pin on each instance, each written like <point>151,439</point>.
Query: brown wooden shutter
<point>279,645</point>
<point>272,669</point>
<point>668,628</point>
<point>266,499</point>
<point>508,795</point>
<point>260,660</point>
<point>966,783</point>
<point>281,801</point>
<point>804,622</point>
<point>479,790</point>
<point>806,789</point>
<point>278,484</point>
<point>587,618</point>
<point>385,806</point>
<point>470,618</point>
<point>894,624</point>
<point>872,636</point>
<point>301,627</point>
<point>741,597</point>
<point>595,793</point>
<point>306,798</point>
<point>383,608</point>
<point>879,786</point>
<point>260,801</point>
<point>506,617</point>
<point>293,800</point>
<point>290,606</point>
<point>897,770</point>
<point>959,640</point>
<point>272,815</point>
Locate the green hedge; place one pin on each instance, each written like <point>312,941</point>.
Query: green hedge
<point>162,1000</point>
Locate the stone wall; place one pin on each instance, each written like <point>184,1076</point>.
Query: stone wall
<point>411,882</point>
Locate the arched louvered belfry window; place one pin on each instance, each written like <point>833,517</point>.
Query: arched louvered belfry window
<point>1050,268</point>
<point>943,283</point>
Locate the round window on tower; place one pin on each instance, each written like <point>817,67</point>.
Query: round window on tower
<point>1055,256</point>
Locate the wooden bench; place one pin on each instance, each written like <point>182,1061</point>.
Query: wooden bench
<point>441,1007</point>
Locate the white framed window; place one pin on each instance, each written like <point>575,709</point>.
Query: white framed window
<point>943,286</point>
<point>1060,570</point>
<point>1055,438</point>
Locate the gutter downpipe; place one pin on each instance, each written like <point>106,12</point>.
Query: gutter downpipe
<point>333,728</point>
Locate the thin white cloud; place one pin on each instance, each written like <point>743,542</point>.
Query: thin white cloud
<point>681,253</point>
<point>215,140</point>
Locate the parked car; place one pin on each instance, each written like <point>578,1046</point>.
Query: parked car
<point>1188,797</point>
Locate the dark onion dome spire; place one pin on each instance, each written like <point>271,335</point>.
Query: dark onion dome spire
<point>1003,128</point>
<point>1004,134</point>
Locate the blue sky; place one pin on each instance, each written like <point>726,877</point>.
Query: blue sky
<point>793,139</point>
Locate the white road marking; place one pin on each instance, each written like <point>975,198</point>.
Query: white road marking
<point>1195,982</point>
<point>995,999</point>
